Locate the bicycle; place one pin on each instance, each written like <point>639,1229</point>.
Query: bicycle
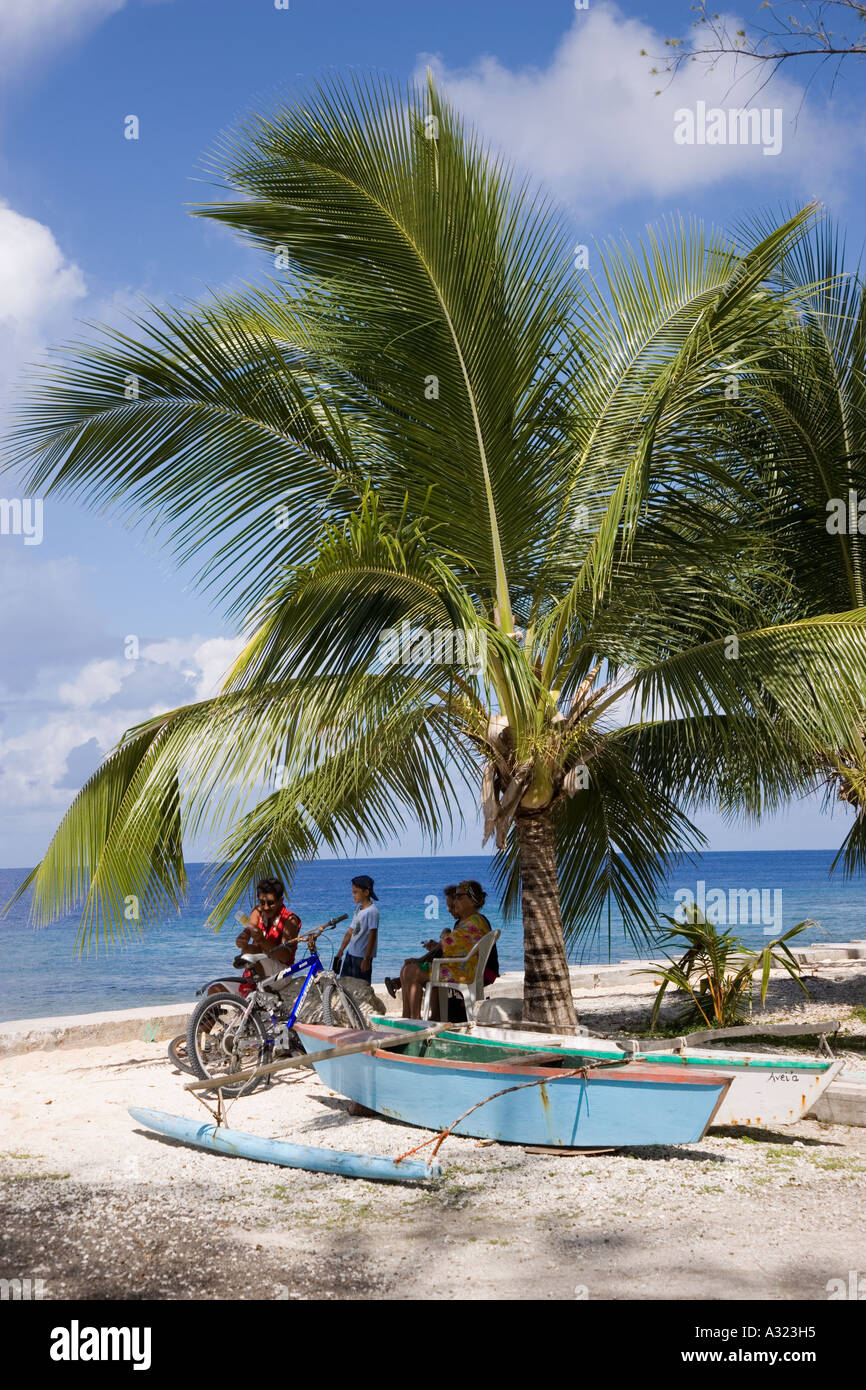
<point>227,1033</point>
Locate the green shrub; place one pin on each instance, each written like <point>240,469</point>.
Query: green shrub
<point>716,971</point>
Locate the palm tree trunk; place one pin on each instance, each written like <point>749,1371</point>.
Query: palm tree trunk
<point>546,986</point>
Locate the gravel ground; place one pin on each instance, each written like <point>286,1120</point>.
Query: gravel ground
<point>100,1209</point>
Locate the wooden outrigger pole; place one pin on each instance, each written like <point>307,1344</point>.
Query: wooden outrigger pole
<point>216,1083</point>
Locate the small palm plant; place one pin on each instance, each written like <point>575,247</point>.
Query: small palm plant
<point>716,972</point>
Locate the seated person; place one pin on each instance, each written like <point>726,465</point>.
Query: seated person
<point>469,926</point>
<point>270,924</point>
<point>433,948</point>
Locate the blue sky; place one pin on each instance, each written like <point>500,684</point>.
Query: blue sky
<point>90,221</point>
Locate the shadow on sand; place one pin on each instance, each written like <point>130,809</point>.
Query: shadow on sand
<point>771,1136</point>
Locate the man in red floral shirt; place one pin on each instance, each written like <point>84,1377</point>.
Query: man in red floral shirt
<point>270,924</point>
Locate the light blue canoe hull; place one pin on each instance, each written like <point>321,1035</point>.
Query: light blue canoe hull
<point>624,1106</point>
<point>766,1088</point>
<point>239,1144</point>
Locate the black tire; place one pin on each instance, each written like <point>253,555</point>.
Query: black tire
<point>177,1054</point>
<point>218,1049</point>
<point>339,1008</point>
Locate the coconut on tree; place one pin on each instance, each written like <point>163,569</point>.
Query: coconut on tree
<point>428,421</point>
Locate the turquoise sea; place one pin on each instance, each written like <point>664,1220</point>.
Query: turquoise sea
<point>43,976</point>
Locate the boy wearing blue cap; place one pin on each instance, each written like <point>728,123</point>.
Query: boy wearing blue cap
<point>362,935</point>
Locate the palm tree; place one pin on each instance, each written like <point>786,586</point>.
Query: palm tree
<point>808,437</point>
<point>427,421</point>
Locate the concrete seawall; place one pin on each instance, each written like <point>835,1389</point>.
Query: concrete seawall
<point>155,1023</point>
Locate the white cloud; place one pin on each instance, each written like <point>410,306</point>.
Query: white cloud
<point>203,659</point>
<point>31,27</point>
<point>35,278</point>
<point>96,683</point>
<point>589,126</point>
<point>214,658</point>
<point>98,703</point>
<point>33,763</point>
<point>46,620</point>
<point>38,288</point>
<point>163,674</point>
<point>171,651</point>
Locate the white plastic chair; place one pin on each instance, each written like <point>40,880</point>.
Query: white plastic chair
<point>471,992</point>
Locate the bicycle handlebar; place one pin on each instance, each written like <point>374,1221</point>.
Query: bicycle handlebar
<point>329,925</point>
<point>305,936</point>
<point>310,937</point>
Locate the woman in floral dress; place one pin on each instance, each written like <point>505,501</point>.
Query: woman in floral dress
<point>467,931</point>
<point>464,903</point>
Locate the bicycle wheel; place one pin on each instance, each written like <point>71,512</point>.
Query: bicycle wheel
<point>177,1054</point>
<point>339,1008</point>
<point>219,1040</point>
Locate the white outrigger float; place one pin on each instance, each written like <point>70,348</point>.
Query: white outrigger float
<point>767,1088</point>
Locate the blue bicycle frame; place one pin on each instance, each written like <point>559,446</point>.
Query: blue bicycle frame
<point>313,966</point>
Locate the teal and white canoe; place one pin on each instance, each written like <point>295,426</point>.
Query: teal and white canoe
<point>766,1089</point>
<point>525,1103</point>
<point>238,1144</point>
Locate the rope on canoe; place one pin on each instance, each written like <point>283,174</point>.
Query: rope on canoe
<point>437,1140</point>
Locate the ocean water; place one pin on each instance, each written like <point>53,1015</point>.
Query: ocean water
<point>44,976</point>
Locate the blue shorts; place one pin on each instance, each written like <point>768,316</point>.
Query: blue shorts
<point>352,969</point>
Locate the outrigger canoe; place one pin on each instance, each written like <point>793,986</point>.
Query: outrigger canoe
<point>767,1089</point>
<point>237,1143</point>
<point>611,1107</point>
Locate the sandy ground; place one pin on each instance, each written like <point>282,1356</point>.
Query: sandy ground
<point>100,1209</point>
